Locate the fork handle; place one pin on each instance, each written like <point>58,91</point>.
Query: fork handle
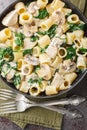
<point>64,111</point>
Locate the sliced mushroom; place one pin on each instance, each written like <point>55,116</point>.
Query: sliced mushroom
<point>32,60</point>
<point>67,67</point>
<point>28,44</point>
<point>33,7</point>
<point>44,72</point>
<point>57,80</point>
<point>51,50</point>
<point>10,19</point>
<point>58,17</point>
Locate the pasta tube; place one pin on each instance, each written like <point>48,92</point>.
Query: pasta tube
<point>42,3</point>
<point>5,34</point>
<point>45,25</point>
<point>50,90</point>
<point>62,52</point>
<point>35,89</point>
<point>70,77</point>
<point>25,18</point>
<point>27,69</point>
<point>44,41</point>
<point>20,7</point>
<point>81,62</point>
<point>73,19</point>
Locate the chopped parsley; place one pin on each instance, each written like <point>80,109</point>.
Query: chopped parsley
<point>44,49</point>
<point>73,27</point>
<point>71,52</point>
<point>27,51</point>
<point>19,38</point>
<point>32,81</point>
<point>42,14</point>
<point>34,38</point>
<point>17,80</point>
<point>6,53</point>
<point>82,50</point>
<point>51,32</point>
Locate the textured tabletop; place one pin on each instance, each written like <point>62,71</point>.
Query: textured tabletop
<point>68,124</point>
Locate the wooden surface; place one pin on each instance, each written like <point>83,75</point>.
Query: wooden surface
<point>68,124</point>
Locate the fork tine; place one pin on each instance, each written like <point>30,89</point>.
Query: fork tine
<point>7,103</point>
<point>8,106</point>
<point>6,112</point>
<point>6,90</point>
<point>6,96</point>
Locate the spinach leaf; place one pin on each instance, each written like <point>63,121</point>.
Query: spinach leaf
<point>19,38</point>
<point>42,14</point>
<point>34,38</point>
<point>71,52</point>
<point>27,51</point>
<point>74,27</point>
<point>17,80</point>
<point>82,50</point>
<point>31,81</point>
<point>51,32</point>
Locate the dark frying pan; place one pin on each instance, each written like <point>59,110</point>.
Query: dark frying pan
<point>81,75</point>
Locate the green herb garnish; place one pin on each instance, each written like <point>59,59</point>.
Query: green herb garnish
<point>27,51</point>
<point>32,81</point>
<point>17,80</point>
<point>6,53</point>
<point>2,62</point>
<point>44,49</point>
<point>74,27</point>
<point>34,38</point>
<point>36,68</point>
<point>19,38</point>
<point>82,50</point>
<point>51,32</point>
<point>42,14</point>
<point>71,52</point>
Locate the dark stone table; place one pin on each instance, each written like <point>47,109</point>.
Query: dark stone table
<point>68,124</point>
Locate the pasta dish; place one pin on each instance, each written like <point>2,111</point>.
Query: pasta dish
<point>43,47</point>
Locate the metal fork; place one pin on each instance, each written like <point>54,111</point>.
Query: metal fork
<point>9,94</point>
<point>21,106</point>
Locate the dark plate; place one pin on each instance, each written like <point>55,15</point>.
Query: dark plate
<point>80,77</point>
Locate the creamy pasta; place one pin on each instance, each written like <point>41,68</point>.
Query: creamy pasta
<point>43,47</point>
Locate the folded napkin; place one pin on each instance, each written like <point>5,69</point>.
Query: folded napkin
<point>36,115</point>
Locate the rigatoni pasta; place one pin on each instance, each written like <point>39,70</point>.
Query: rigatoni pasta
<point>43,47</point>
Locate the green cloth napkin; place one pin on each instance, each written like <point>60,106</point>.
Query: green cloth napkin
<point>36,115</point>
